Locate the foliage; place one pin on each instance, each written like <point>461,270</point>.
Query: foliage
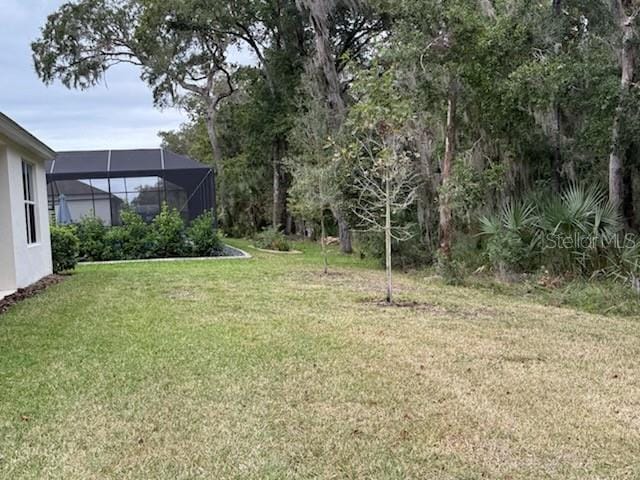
<point>511,237</point>
<point>578,228</point>
<point>578,232</point>
<point>471,189</point>
<point>65,248</point>
<point>92,233</point>
<point>166,236</point>
<point>131,240</point>
<point>168,233</point>
<point>451,270</point>
<point>345,96</point>
<point>623,261</point>
<point>203,237</point>
<point>272,239</point>
<point>115,240</point>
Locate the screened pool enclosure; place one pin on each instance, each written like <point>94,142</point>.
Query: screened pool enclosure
<point>102,183</point>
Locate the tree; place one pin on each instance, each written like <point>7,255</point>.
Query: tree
<point>312,194</point>
<point>316,174</point>
<point>624,13</point>
<point>355,30</point>
<point>386,186</point>
<point>384,178</point>
<point>172,42</point>
<point>446,209</point>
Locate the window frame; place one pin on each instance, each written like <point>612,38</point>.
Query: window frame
<point>30,200</point>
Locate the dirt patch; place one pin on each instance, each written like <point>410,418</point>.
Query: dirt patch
<point>412,305</point>
<point>30,291</point>
<point>454,311</point>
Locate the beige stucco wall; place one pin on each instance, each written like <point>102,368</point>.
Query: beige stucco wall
<point>21,264</point>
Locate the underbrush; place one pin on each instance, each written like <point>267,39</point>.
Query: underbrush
<point>272,239</point>
<point>606,297</point>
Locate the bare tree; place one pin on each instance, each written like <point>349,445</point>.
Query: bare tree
<point>386,183</point>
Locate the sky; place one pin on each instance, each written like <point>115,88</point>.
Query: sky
<point>118,113</point>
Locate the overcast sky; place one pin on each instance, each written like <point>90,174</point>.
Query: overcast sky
<point>118,114</point>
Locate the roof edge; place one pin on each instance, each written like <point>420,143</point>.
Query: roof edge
<point>13,131</point>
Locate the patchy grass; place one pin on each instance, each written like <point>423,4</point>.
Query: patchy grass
<point>267,369</point>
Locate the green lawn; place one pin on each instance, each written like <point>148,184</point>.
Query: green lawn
<point>265,368</point>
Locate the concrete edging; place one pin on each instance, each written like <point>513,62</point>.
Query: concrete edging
<point>277,252</point>
<point>244,256</point>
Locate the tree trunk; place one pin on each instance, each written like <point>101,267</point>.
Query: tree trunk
<point>387,239</point>
<point>556,165</point>
<point>628,202</point>
<point>446,212</point>
<point>279,218</point>
<point>324,58</point>
<point>323,242</point>
<point>428,186</point>
<point>618,147</point>
<point>329,83</point>
<point>344,232</point>
<point>211,116</point>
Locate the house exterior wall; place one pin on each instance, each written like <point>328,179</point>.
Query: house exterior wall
<point>22,264</point>
<point>7,256</point>
<point>83,207</point>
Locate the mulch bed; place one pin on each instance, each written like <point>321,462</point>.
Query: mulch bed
<point>30,291</point>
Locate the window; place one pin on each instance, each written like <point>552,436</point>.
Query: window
<point>28,184</point>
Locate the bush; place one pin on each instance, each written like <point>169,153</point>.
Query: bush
<point>511,238</point>
<point>577,229</point>
<point>624,262</point>
<point>450,269</point>
<point>578,233</point>
<point>508,253</point>
<point>165,237</point>
<point>135,239</point>
<point>167,233</point>
<point>115,240</point>
<point>202,237</point>
<point>65,248</point>
<point>272,239</point>
<point>91,233</point>
<point>129,241</point>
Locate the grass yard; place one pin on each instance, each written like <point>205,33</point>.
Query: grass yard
<point>267,369</point>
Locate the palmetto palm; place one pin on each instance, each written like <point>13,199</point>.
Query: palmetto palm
<point>578,227</point>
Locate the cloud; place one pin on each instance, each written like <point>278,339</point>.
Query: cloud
<point>117,114</point>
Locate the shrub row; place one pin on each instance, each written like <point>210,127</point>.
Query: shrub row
<point>166,236</point>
